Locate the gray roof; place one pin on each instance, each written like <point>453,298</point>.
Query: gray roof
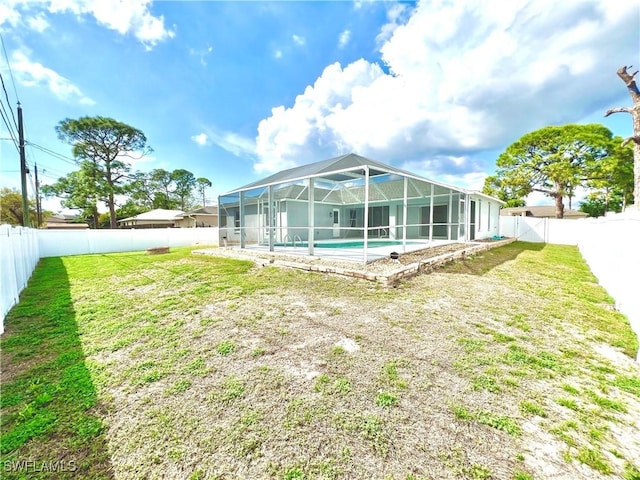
<point>336,169</point>
<point>208,210</point>
<point>344,168</point>
<point>541,211</point>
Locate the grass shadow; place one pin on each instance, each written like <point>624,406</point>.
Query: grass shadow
<point>51,427</point>
<point>484,262</point>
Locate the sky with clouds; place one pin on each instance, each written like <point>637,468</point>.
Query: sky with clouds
<point>234,91</point>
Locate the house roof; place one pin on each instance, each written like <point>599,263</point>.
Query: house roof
<point>208,210</point>
<point>159,214</point>
<point>58,225</point>
<point>344,168</point>
<point>61,218</point>
<point>541,211</point>
<point>338,169</point>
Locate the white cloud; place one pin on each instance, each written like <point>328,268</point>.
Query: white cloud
<point>9,13</point>
<point>461,170</point>
<point>303,133</point>
<point>31,74</point>
<point>464,78</point>
<point>344,38</point>
<point>125,17</point>
<point>470,181</point>
<point>277,54</point>
<point>231,142</point>
<point>396,15</point>
<point>201,139</point>
<point>298,40</point>
<point>132,16</point>
<point>202,54</point>
<point>38,23</point>
<point>358,4</point>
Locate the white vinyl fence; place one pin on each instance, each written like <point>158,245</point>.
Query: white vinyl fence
<point>610,245</point>
<point>21,248</point>
<point>19,255</point>
<point>56,243</point>
<point>545,230</point>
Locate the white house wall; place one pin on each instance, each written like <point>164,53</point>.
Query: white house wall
<point>487,217</point>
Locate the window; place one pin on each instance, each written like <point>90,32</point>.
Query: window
<point>236,220</point>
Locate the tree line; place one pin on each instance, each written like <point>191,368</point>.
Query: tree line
<point>103,149</point>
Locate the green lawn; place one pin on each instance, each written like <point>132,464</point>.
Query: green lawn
<point>186,366</point>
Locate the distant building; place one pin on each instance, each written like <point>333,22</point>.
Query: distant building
<point>158,218</point>
<point>200,217</point>
<point>546,211</point>
<point>63,222</point>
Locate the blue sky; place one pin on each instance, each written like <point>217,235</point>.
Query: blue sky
<point>234,91</point>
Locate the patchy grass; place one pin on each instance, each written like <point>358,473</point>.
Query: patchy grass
<point>205,367</point>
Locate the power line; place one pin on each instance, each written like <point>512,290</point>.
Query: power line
<point>6,57</point>
<point>46,168</point>
<point>6,95</point>
<point>33,185</point>
<point>45,173</point>
<point>53,154</point>
<point>12,134</point>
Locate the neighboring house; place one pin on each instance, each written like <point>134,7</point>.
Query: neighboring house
<point>201,217</point>
<point>546,211</point>
<point>326,202</point>
<point>159,218</point>
<point>63,222</point>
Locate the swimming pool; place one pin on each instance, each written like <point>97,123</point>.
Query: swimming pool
<point>347,244</point>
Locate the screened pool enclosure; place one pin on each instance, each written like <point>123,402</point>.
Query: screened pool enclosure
<point>351,202</point>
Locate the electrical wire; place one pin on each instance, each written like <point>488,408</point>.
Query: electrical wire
<point>33,184</point>
<point>3,112</point>
<point>46,171</point>
<point>6,57</point>
<point>4,115</point>
<point>53,154</point>
<point>6,95</point>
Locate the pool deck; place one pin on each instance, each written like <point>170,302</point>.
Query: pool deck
<point>349,254</point>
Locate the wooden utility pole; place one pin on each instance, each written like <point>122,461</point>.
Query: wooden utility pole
<point>38,206</point>
<point>23,171</point>
<point>634,111</point>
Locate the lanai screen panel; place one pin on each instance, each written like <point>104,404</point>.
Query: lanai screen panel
<point>255,215</point>
<point>229,219</point>
<point>419,199</point>
<point>292,212</point>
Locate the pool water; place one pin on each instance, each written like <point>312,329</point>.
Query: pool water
<point>349,244</point>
